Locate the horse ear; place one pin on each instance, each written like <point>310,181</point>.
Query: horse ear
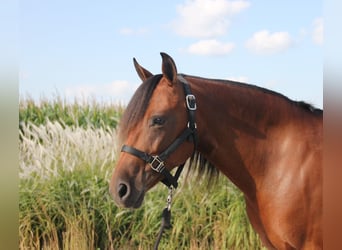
<point>169,68</point>
<point>142,72</point>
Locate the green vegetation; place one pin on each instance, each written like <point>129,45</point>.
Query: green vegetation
<point>65,163</point>
<point>75,114</point>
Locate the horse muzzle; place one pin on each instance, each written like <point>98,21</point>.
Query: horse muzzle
<point>126,195</point>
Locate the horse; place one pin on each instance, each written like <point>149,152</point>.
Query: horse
<point>268,145</point>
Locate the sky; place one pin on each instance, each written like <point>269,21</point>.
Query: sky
<point>84,49</point>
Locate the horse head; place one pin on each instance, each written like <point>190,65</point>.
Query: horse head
<point>154,120</point>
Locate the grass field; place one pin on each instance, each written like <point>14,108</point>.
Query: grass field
<point>67,154</point>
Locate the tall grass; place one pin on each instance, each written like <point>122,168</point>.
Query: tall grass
<point>64,201</point>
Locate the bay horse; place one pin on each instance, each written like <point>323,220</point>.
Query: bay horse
<point>269,146</point>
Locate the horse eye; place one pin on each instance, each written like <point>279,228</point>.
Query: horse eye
<point>158,121</point>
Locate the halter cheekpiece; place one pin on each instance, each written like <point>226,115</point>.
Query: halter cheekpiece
<point>157,162</point>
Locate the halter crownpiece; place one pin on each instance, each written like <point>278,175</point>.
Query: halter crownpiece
<point>157,162</point>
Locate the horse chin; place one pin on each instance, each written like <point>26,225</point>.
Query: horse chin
<point>136,203</point>
<point>139,201</point>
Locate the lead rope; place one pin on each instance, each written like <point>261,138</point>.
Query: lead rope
<point>166,218</point>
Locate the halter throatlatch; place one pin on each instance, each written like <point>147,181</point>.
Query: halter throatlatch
<point>157,162</point>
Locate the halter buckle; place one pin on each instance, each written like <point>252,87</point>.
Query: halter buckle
<point>157,164</point>
<point>191,102</point>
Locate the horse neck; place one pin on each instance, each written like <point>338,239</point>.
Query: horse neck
<point>233,125</point>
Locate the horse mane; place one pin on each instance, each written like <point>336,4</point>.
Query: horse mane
<point>304,105</point>
<point>309,107</point>
<point>135,111</point>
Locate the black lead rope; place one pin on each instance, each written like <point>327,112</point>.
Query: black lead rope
<point>166,219</point>
<point>166,214</point>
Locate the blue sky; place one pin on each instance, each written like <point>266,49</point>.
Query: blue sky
<point>84,49</point>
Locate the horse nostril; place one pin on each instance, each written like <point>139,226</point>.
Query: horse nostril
<point>122,190</point>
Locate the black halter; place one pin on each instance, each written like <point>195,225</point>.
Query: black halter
<point>157,162</point>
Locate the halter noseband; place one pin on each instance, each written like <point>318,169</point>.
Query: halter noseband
<point>157,162</point>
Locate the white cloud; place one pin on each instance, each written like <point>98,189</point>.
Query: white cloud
<point>210,47</point>
<point>264,42</point>
<point>206,18</point>
<point>119,90</point>
<point>317,34</point>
